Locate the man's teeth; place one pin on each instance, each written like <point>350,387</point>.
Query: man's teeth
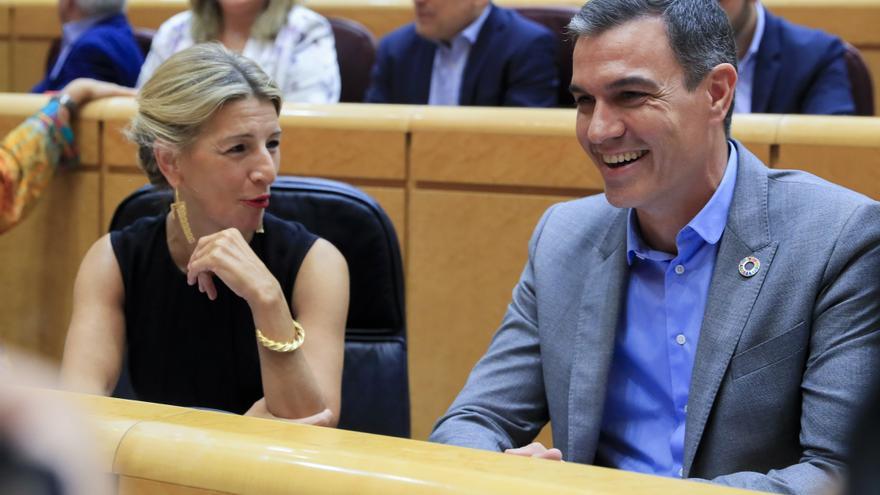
<point>623,157</point>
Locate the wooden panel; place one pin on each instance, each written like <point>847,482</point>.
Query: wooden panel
<point>188,451</point>
<point>28,63</point>
<point>14,108</point>
<point>152,13</point>
<point>872,58</point>
<point>466,253</point>
<point>853,20</point>
<point>5,65</point>
<point>844,150</point>
<point>757,132</point>
<point>136,486</point>
<point>345,140</point>
<point>36,19</point>
<point>117,186</point>
<point>40,259</point>
<point>117,150</point>
<point>500,146</point>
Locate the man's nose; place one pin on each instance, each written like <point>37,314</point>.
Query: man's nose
<point>605,124</point>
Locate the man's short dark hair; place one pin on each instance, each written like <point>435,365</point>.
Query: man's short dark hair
<point>698,32</point>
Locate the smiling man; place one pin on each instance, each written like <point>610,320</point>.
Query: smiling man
<point>466,52</point>
<point>706,317</point>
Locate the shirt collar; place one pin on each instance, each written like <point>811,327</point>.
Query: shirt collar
<point>708,224</point>
<point>71,31</point>
<point>759,35</point>
<point>471,32</point>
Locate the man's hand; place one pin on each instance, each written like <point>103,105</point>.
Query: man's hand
<point>536,449</point>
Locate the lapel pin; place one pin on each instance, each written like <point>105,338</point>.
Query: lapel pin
<point>749,266</point>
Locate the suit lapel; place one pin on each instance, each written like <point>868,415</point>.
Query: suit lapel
<point>731,295</point>
<point>767,65</point>
<point>479,53</point>
<point>421,75</point>
<point>600,305</point>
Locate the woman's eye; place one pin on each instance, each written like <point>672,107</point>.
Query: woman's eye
<point>273,144</point>
<point>238,148</point>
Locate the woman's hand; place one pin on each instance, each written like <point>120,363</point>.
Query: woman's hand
<point>227,255</point>
<point>259,410</point>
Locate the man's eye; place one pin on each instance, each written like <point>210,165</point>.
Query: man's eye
<point>584,100</point>
<point>273,144</point>
<point>631,95</point>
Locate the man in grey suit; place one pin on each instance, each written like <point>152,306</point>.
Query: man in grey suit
<point>706,317</point>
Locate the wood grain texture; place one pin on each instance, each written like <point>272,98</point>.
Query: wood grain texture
<point>184,451</point>
<point>41,256</point>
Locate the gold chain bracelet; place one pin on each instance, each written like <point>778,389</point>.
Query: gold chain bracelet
<point>298,339</point>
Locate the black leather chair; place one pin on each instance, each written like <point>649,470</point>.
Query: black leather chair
<point>860,81</point>
<point>375,386</point>
<point>556,19</point>
<point>143,37</point>
<point>355,53</point>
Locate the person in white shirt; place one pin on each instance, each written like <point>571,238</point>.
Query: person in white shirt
<point>292,44</point>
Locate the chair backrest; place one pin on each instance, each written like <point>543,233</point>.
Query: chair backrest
<point>355,53</point>
<point>555,19</point>
<point>375,386</point>
<point>859,80</point>
<point>143,37</point>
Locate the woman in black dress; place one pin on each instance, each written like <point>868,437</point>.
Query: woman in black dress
<point>213,299</point>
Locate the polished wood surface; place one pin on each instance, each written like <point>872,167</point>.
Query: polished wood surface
<point>463,187</point>
<point>171,450</point>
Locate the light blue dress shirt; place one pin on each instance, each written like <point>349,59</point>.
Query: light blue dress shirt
<point>450,60</point>
<point>746,67</point>
<point>646,402</point>
<point>70,32</point>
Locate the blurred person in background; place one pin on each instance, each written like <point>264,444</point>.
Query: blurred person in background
<point>466,52</point>
<point>97,42</point>
<point>786,68</point>
<point>292,44</point>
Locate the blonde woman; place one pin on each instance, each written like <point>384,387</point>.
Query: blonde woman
<point>292,44</point>
<point>204,297</point>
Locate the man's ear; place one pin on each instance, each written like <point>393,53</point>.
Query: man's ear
<point>721,88</point>
<point>168,161</point>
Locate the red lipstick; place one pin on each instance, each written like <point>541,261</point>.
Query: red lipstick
<point>261,201</point>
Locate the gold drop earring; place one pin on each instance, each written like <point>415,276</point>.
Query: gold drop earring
<point>178,210</point>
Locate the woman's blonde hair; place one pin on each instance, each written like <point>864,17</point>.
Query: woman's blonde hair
<point>207,19</point>
<point>183,94</point>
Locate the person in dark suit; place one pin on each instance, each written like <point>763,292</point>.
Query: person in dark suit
<point>786,68</point>
<point>97,42</point>
<point>466,52</point>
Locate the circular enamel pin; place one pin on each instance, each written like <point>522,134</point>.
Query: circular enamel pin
<point>749,266</point>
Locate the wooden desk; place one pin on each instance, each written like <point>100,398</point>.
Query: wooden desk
<point>163,449</point>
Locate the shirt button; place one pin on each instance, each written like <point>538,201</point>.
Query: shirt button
<point>679,269</point>
<point>680,339</point>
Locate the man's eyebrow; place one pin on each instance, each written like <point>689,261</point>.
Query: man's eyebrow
<point>632,81</point>
<point>574,88</point>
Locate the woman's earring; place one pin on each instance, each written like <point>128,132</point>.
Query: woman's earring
<point>178,210</point>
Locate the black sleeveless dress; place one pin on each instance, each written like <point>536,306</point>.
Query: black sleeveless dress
<point>184,349</point>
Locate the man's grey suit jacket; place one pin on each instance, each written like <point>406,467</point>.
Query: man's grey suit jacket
<point>783,358</point>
